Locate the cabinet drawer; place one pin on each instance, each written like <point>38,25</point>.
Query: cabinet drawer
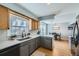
<point>24,43</point>
<point>46,42</point>
<point>32,48</point>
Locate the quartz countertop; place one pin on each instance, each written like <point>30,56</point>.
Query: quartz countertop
<point>47,35</point>
<point>9,43</point>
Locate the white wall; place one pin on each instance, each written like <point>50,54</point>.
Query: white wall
<point>63,29</point>
<point>70,17</point>
<point>3,35</point>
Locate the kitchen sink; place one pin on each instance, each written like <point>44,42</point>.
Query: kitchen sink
<point>25,38</point>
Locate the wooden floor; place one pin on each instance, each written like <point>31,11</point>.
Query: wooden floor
<point>60,48</point>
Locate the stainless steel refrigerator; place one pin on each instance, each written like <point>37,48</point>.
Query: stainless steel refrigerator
<point>75,39</point>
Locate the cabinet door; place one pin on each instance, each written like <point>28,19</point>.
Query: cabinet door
<point>42,41</point>
<point>38,24</point>
<point>12,51</point>
<point>46,42</point>
<point>4,17</point>
<point>33,26</point>
<point>37,42</point>
<point>32,46</point>
<point>24,50</point>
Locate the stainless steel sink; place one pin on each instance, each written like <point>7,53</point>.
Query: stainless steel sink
<point>25,38</point>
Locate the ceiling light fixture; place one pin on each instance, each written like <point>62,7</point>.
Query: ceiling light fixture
<point>49,2</point>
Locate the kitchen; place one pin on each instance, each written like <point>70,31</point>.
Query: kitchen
<point>24,33</point>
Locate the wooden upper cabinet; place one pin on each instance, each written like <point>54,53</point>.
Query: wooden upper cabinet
<point>34,25</point>
<point>4,17</point>
<point>38,24</point>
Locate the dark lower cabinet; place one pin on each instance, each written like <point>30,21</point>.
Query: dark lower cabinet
<point>31,46</point>
<point>46,42</point>
<point>28,47</point>
<point>37,42</point>
<point>24,49</point>
<point>12,51</point>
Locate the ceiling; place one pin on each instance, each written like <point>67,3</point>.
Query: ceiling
<point>44,9</point>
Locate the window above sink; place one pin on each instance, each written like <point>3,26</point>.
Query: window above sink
<point>17,25</point>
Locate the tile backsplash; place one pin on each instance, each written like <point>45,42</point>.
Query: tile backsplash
<point>3,35</point>
<point>33,32</point>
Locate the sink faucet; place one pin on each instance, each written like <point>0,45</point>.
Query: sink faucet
<point>23,34</point>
